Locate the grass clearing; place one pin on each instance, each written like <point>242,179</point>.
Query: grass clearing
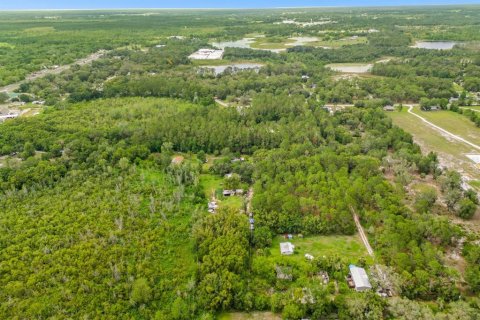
<point>271,43</point>
<point>453,122</point>
<point>6,45</point>
<point>349,247</point>
<point>339,43</point>
<point>39,30</point>
<point>452,153</point>
<point>213,186</point>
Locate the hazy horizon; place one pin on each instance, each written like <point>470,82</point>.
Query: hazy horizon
<point>215,4</point>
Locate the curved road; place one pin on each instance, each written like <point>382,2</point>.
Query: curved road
<point>454,136</point>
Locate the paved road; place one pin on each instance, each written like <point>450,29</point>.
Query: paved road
<point>448,133</point>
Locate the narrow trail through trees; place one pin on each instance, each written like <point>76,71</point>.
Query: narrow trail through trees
<point>361,232</point>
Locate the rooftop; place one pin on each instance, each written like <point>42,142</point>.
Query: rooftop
<point>207,54</point>
<point>360,278</point>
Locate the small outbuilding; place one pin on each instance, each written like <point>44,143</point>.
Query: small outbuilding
<point>389,108</point>
<point>359,278</point>
<point>212,206</point>
<point>308,257</point>
<point>286,248</point>
<point>228,193</point>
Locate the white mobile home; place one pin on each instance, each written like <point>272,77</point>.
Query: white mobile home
<point>287,248</point>
<point>360,278</point>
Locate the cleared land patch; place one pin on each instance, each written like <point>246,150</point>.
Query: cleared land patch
<point>452,153</point>
<point>452,122</point>
<point>349,247</point>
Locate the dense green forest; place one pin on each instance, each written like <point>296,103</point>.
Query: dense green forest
<point>104,193</point>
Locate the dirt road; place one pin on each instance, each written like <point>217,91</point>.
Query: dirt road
<point>42,73</point>
<point>440,129</point>
<point>361,232</point>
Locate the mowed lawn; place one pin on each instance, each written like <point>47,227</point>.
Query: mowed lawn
<point>453,122</point>
<point>428,137</point>
<point>213,184</point>
<point>452,152</point>
<point>347,247</point>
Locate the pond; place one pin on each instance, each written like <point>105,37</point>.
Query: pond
<point>235,67</point>
<point>242,43</point>
<point>350,67</point>
<point>435,45</point>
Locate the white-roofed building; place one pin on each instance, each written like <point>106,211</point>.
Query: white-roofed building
<point>360,278</point>
<point>207,54</point>
<point>286,248</point>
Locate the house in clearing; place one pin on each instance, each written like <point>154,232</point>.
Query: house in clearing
<point>286,248</point>
<point>359,278</point>
<point>228,193</point>
<point>389,108</point>
<point>177,160</point>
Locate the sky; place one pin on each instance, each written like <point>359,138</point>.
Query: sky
<point>103,4</point>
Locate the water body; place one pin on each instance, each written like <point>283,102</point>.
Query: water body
<point>243,43</point>
<point>435,45</point>
<point>236,67</point>
<point>350,68</point>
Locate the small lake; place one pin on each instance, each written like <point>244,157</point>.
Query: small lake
<point>435,45</point>
<point>350,68</point>
<point>242,43</point>
<point>235,67</point>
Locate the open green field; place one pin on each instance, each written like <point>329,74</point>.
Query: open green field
<point>348,247</point>
<point>213,185</point>
<point>451,152</point>
<point>284,42</point>
<point>272,43</point>
<point>452,122</point>
<point>339,43</point>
